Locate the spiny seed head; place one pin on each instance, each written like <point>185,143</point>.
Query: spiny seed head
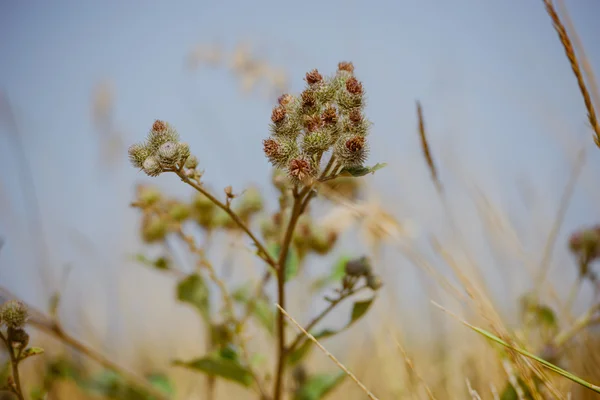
<point>159,126</point>
<point>154,228</point>
<point>312,123</point>
<point>191,162</point>
<point>148,195</point>
<point>285,99</point>
<point>271,148</point>
<point>158,137</point>
<point>315,142</point>
<point>358,267</point>
<point>346,66</point>
<point>313,77</point>
<point>251,202</point>
<point>279,151</point>
<point>18,337</point>
<point>184,150</point>
<point>278,115</point>
<point>179,211</point>
<point>353,86</point>
<point>351,150</point>
<point>348,101</point>
<point>137,154</point>
<point>329,116</point>
<point>14,314</point>
<point>300,169</point>
<point>308,99</point>
<point>151,166</point>
<point>168,154</point>
<point>355,144</point>
<point>355,116</point>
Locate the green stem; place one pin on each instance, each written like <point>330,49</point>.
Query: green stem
<point>14,361</point>
<point>261,248</point>
<point>297,341</point>
<point>300,202</point>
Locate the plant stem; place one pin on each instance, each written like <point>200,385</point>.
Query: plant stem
<point>297,208</point>
<point>261,248</point>
<point>52,327</point>
<point>14,362</point>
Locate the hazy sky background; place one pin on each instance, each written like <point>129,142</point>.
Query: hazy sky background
<point>499,98</point>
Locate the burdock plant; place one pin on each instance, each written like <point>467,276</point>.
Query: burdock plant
<point>317,136</point>
<point>13,317</point>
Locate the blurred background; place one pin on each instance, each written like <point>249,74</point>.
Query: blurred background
<point>80,81</point>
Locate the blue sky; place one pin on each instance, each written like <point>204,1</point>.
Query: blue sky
<point>498,95</point>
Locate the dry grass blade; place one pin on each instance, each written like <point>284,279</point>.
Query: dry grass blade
<point>425,148</point>
<point>578,45</point>
<point>328,354</point>
<point>472,392</point>
<point>550,366</point>
<point>560,216</point>
<point>410,365</point>
<point>570,53</point>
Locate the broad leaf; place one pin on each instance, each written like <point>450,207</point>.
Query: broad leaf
<point>193,290</point>
<point>362,171</point>
<point>263,311</point>
<point>318,386</point>
<point>32,351</point>
<point>162,383</point>
<point>223,368</point>
<point>337,273</point>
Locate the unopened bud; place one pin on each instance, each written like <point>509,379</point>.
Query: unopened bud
<point>374,282</point>
<point>18,337</point>
<point>191,162</point>
<point>358,267</point>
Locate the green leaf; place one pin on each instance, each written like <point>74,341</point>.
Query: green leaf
<point>228,353</point>
<point>223,368</point>
<point>37,393</point>
<point>291,262</point>
<point>32,351</point>
<point>546,316</point>
<point>242,294</point>
<point>162,383</point>
<point>318,386</point>
<point>263,311</point>
<point>337,273</point>
<point>300,353</point>
<point>193,290</point>
<point>362,171</point>
<point>359,309</point>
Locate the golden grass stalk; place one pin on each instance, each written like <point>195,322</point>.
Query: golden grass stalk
<point>425,148</point>
<point>410,365</point>
<point>328,354</point>
<point>570,53</point>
